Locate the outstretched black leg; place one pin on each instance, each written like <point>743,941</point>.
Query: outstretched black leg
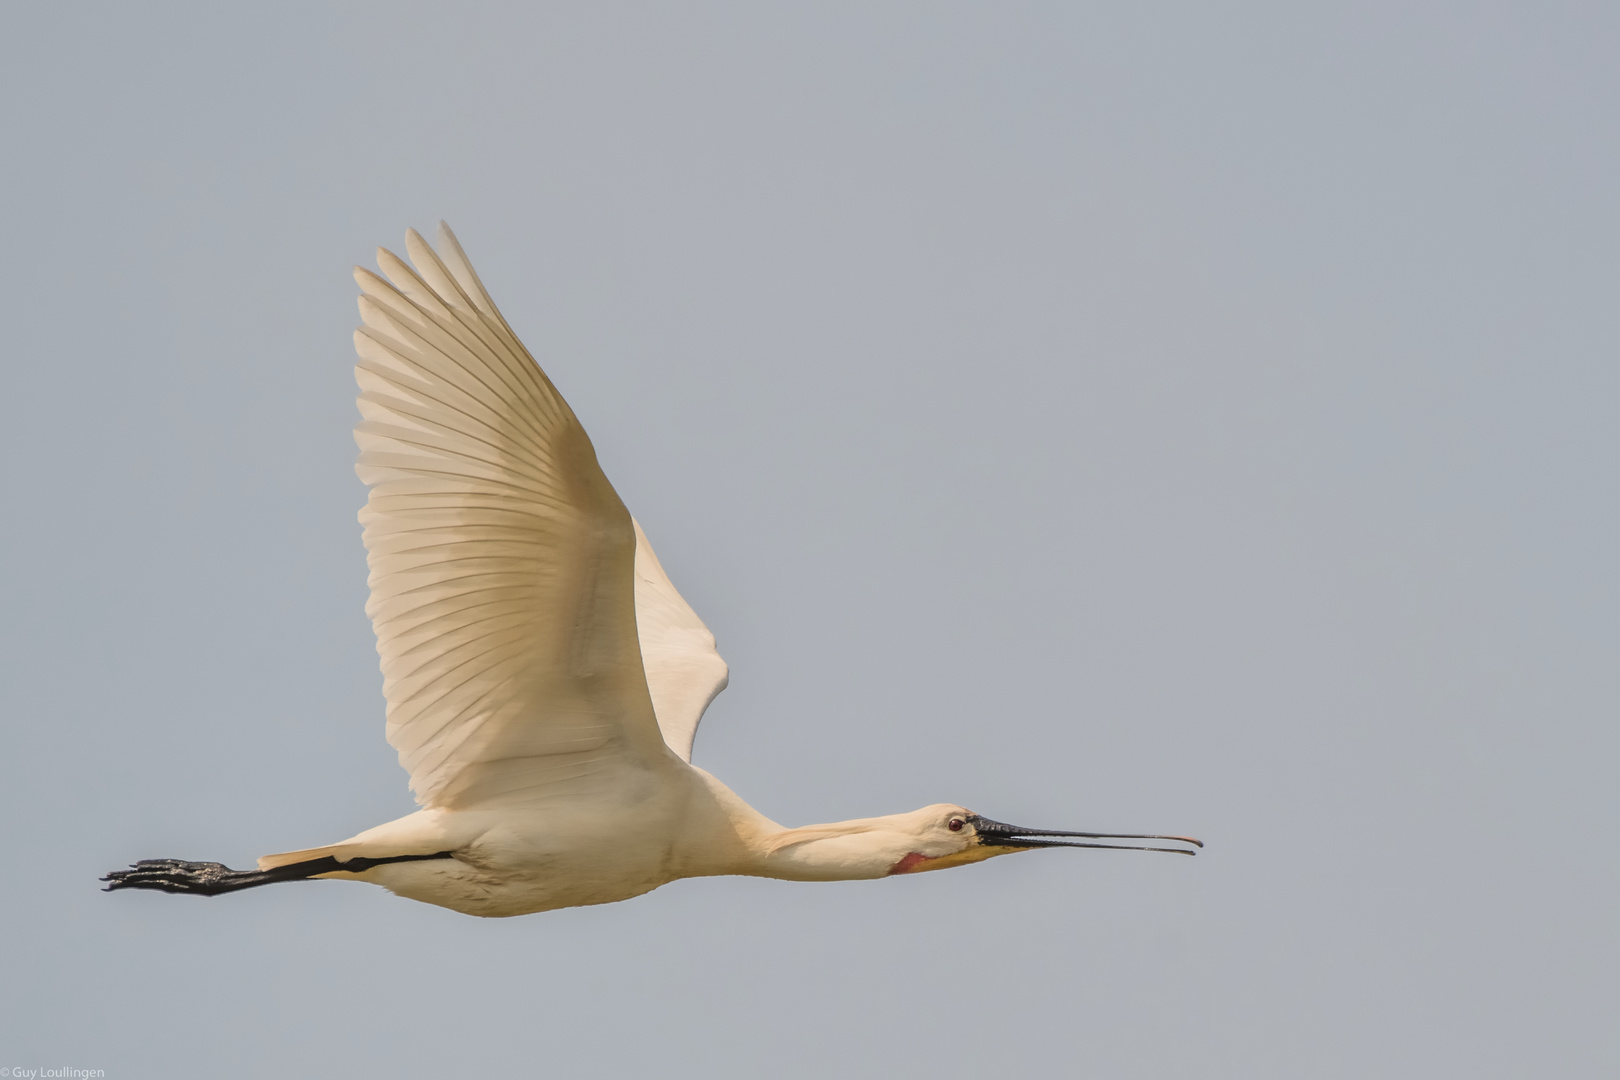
<point>212,878</point>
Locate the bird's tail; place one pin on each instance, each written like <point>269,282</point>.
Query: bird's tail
<point>341,852</point>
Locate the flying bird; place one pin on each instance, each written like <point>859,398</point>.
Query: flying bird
<point>544,679</point>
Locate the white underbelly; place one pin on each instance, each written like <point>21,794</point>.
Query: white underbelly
<point>518,868</point>
<point>462,887</point>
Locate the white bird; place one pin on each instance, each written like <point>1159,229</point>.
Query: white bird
<point>544,679</point>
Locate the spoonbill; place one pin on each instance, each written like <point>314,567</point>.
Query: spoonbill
<point>544,679</point>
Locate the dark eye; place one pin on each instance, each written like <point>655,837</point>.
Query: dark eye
<point>955,824</point>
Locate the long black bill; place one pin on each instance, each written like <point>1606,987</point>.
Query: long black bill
<point>1000,834</point>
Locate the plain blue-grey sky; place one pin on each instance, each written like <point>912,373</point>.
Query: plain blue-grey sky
<point>1189,417</point>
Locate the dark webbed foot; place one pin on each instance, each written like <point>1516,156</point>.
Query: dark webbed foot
<point>179,876</point>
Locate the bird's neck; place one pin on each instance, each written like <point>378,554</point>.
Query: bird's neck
<point>737,839</point>
<point>837,851</point>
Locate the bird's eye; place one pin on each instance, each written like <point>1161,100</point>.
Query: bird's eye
<point>955,824</point>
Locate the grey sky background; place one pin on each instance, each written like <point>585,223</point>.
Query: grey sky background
<point>1189,418</point>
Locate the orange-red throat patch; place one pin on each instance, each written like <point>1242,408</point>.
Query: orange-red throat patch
<point>917,862</point>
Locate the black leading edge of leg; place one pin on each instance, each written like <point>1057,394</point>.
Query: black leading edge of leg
<point>212,878</point>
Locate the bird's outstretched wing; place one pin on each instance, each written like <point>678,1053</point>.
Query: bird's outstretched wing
<point>502,561</point>
<point>684,670</point>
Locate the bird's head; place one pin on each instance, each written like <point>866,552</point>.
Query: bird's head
<point>944,835</point>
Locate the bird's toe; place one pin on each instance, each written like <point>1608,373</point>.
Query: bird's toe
<point>168,875</point>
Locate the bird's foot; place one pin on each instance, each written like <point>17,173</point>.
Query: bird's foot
<point>179,876</point>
